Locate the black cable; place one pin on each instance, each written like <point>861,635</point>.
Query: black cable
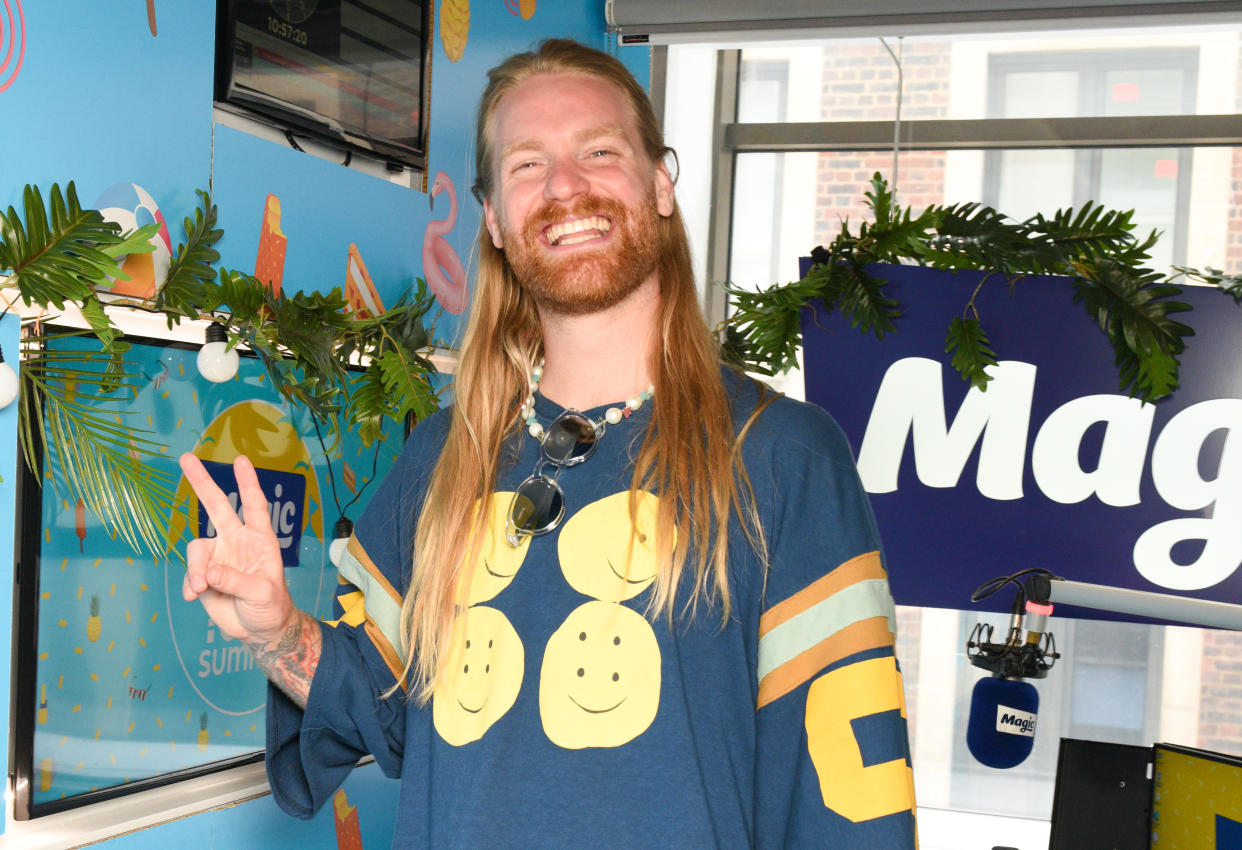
<point>992,585</point>
<point>332,478</point>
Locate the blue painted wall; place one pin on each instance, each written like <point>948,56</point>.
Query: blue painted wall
<point>92,92</point>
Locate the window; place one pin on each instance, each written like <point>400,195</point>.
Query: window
<point>1154,182</point>
<point>1146,119</point>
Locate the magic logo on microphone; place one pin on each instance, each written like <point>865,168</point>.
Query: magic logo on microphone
<point>1013,721</point>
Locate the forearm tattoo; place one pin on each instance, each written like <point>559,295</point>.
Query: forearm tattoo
<point>290,664</point>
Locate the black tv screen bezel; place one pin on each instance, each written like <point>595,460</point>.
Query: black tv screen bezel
<point>396,157</point>
<point>24,661</point>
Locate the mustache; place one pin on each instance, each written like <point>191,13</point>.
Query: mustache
<point>581,208</point>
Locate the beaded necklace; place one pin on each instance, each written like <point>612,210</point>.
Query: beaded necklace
<point>612,415</point>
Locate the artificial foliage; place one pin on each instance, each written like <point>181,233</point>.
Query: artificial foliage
<point>1134,306</point>
<point>345,371</point>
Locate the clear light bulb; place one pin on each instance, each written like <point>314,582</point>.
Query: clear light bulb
<point>216,362</point>
<point>8,382</point>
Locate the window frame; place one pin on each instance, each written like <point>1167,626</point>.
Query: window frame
<point>731,137</point>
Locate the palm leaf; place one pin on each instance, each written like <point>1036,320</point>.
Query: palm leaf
<point>79,401</point>
<point>1092,231</point>
<point>1230,284</point>
<point>62,252</point>
<point>861,299</point>
<point>190,271</point>
<point>410,391</point>
<point>1133,307</point>
<point>770,321</point>
<point>971,350</point>
<point>370,403</point>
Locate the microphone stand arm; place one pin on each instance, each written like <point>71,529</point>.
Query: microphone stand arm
<point>1162,606</point>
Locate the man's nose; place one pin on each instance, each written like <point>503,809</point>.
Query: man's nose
<point>565,180</point>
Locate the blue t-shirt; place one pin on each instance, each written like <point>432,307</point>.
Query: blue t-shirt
<point>569,716</point>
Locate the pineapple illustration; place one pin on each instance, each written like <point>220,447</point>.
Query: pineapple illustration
<point>42,715</point>
<point>203,735</point>
<point>93,624</point>
<point>454,27</point>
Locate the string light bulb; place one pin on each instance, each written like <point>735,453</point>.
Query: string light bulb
<point>8,382</point>
<point>340,540</point>
<point>216,361</point>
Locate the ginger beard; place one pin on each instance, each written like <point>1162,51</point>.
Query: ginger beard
<point>587,279</point>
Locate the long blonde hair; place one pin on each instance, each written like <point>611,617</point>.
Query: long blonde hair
<point>690,457</point>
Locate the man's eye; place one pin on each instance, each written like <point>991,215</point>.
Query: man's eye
<point>602,152</point>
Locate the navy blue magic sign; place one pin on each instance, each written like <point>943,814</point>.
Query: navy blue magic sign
<point>286,501</point>
<point>1051,466</point>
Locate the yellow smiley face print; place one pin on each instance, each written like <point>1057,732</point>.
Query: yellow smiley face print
<point>481,676</point>
<point>600,681</point>
<point>605,557</point>
<point>497,562</point>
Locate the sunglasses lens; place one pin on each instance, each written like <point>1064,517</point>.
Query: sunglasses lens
<point>537,505</point>
<point>570,439</point>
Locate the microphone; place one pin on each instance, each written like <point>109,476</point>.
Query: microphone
<point>1000,732</point>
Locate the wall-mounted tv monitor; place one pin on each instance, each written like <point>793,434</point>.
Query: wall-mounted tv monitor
<point>351,72</point>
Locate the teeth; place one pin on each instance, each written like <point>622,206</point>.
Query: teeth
<point>560,230</point>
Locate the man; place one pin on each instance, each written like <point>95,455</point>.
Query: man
<point>658,622</point>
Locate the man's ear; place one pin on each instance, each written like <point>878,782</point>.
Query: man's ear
<point>664,191</point>
<point>493,224</point>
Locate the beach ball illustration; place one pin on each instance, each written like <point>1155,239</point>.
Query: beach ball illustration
<point>132,206</point>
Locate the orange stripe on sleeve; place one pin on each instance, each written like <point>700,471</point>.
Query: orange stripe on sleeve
<point>866,634</point>
<point>355,549</point>
<point>386,651</point>
<point>860,568</point>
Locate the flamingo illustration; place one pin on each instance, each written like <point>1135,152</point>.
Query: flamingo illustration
<point>441,265</point>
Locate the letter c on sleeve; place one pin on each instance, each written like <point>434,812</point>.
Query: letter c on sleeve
<point>849,788</point>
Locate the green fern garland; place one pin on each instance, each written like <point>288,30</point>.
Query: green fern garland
<point>59,253</point>
<point>1095,247</point>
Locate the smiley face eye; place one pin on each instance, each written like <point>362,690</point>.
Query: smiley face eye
<point>581,672</point>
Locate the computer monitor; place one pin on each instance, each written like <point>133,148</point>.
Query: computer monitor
<point>1101,796</point>
<point>1196,799</point>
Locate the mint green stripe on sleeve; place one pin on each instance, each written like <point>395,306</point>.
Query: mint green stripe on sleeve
<point>860,601</point>
<point>380,606</point>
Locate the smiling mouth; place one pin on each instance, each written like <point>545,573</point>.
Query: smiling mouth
<point>594,710</point>
<point>577,230</point>
<point>488,569</point>
<point>627,580</point>
<point>464,707</point>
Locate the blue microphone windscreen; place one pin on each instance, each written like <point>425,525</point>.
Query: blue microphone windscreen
<point>1001,729</point>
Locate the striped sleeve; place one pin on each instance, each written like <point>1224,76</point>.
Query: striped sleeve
<point>832,753</point>
<point>845,612</point>
<point>367,599</point>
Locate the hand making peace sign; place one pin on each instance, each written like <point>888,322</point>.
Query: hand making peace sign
<point>238,574</point>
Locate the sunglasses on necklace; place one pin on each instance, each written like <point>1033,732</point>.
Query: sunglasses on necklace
<point>538,505</point>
